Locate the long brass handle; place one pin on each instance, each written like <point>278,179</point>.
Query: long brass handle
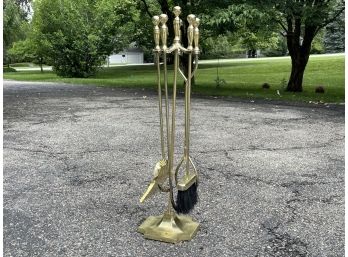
<point>187,115</point>
<point>157,54</point>
<point>172,131</point>
<point>156,31</point>
<point>164,32</point>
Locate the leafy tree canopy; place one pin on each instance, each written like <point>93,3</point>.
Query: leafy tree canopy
<point>79,35</point>
<point>15,25</point>
<point>334,36</point>
<point>299,22</point>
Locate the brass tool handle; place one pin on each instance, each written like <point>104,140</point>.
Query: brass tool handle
<point>172,131</point>
<point>187,114</point>
<point>190,30</point>
<point>156,32</point>
<point>157,50</point>
<point>164,31</point>
<point>157,54</point>
<point>196,35</point>
<point>176,24</point>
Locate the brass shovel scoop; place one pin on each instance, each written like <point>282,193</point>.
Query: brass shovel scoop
<point>160,174</point>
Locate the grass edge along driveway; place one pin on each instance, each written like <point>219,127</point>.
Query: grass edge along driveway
<point>243,77</point>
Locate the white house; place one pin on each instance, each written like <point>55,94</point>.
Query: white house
<point>127,56</point>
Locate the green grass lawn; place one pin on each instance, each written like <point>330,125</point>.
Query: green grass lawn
<point>243,78</point>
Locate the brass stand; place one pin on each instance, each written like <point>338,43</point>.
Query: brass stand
<point>171,227</point>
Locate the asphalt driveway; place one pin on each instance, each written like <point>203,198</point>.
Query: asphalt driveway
<point>78,158</point>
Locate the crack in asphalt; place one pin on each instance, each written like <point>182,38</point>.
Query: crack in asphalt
<point>68,169</point>
<point>255,148</point>
<point>282,244</point>
<point>298,197</point>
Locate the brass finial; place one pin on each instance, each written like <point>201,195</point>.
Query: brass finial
<point>156,32</point>
<point>155,20</point>
<point>190,19</point>
<point>177,11</point>
<point>164,30</point>
<point>196,34</point>
<point>176,24</point>
<point>196,22</point>
<point>163,18</point>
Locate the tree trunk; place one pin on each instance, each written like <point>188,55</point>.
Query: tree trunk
<point>41,65</point>
<point>298,66</point>
<point>299,50</point>
<point>252,53</point>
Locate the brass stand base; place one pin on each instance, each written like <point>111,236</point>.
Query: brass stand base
<point>170,228</point>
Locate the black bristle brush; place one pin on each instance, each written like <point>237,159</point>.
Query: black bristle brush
<point>186,199</point>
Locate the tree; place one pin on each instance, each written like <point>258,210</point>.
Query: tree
<point>25,6</point>
<point>301,21</point>
<point>20,51</point>
<point>318,43</point>
<point>15,25</point>
<point>244,22</point>
<point>334,36</point>
<point>33,49</point>
<point>78,35</point>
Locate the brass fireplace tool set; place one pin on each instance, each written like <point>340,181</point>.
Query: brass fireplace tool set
<point>173,226</point>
